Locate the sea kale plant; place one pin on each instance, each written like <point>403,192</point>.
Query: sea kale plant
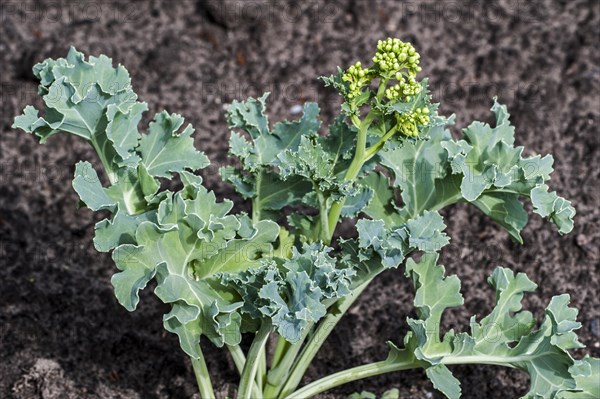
<point>388,164</point>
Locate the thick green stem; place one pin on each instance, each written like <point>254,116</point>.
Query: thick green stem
<point>261,372</point>
<point>324,217</point>
<point>203,377</point>
<point>381,89</point>
<point>354,118</point>
<point>256,207</point>
<point>278,375</point>
<point>346,376</point>
<point>239,359</point>
<point>252,361</point>
<point>386,366</point>
<point>334,216</point>
<point>352,172</point>
<point>280,348</point>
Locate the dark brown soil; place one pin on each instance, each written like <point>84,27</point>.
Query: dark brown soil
<point>62,334</point>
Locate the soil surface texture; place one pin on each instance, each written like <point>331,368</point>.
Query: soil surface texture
<point>62,333</point>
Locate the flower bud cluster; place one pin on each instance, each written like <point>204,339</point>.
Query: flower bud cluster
<point>396,65</point>
<point>358,77</point>
<point>408,121</point>
<point>405,88</point>
<point>393,55</point>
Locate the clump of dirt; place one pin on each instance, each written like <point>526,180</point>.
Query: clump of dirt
<point>46,380</point>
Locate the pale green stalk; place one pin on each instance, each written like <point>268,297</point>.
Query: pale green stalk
<point>252,361</point>
<point>261,372</point>
<point>280,348</point>
<point>202,376</point>
<point>105,163</point>
<point>352,172</point>
<point>324,221</point>
<point>349,375</point>
<point>256,208</point>
<point>385,366</point>
<point>278,375</point>
<point>239,359</point>
<point>374,149</point>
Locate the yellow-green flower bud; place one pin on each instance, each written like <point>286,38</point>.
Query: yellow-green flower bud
<point>409,122</point>
<point>357,77</point>
<point>393,56</point>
